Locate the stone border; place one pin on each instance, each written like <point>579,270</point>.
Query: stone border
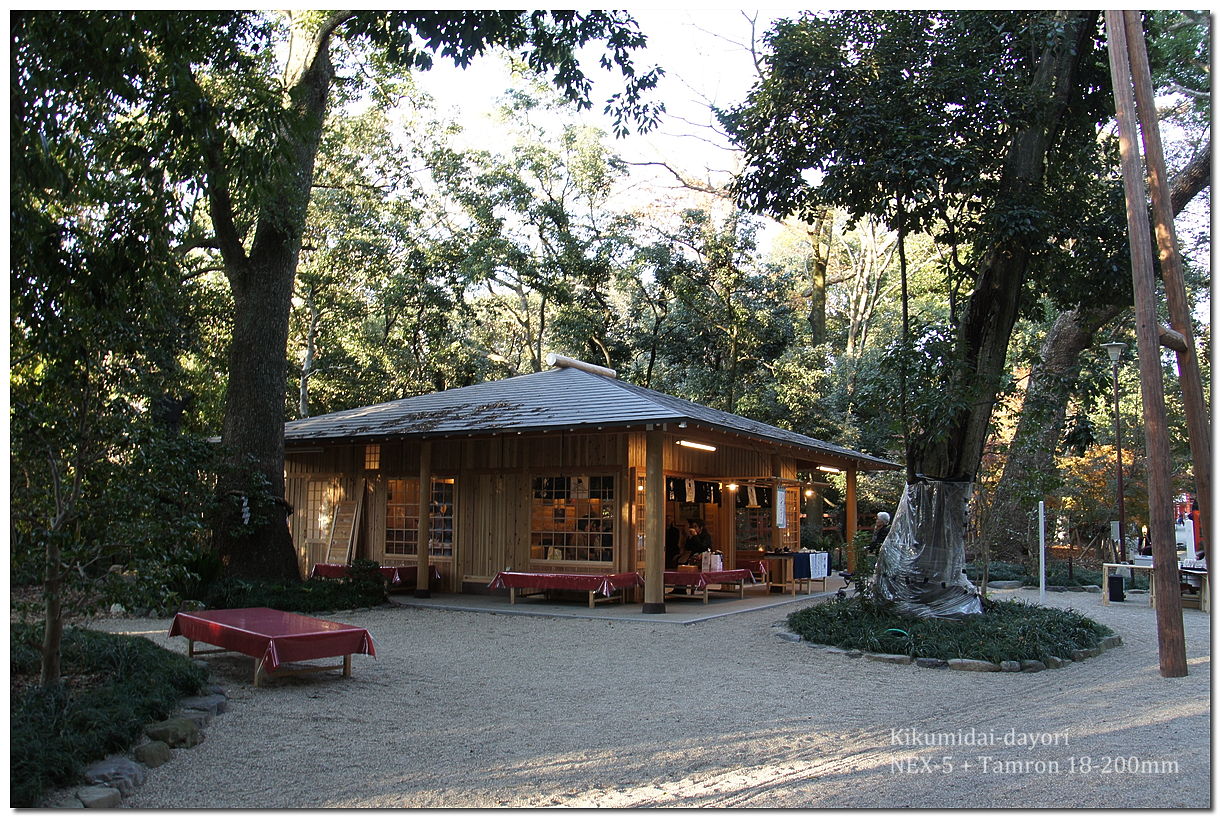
<point>977,665</point>
<point>108,781</point>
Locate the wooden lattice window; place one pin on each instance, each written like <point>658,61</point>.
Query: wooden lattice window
<point>572,519</point>
<point>402,517</point>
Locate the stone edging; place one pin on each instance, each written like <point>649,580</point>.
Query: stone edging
<point>109,781</point>
<point>978,665</point>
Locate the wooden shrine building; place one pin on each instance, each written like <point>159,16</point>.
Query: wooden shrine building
<point>568,470</point>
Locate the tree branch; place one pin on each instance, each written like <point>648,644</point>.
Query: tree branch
<point>1191,180</point>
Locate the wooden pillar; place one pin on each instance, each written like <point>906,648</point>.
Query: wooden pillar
<point>1170,636</point>
<point>777,533</point>
<point>422,569</point>
<point>849,514</point>
<point>654,510</point>
<point>1198,425</point>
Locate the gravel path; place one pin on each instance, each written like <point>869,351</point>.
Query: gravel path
<point>482,710</point>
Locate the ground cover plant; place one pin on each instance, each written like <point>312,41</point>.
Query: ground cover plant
<point>1011,629</point>
<point>111,686</point>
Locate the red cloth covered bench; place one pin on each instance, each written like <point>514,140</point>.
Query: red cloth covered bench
<point>273,638</point>
<point>605,584</point>
<point>703,580</point>
<point>394,574</point>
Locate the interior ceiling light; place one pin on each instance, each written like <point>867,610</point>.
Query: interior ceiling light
<point>828,469</point>
<point>690,444</point>
<point>731,487</point>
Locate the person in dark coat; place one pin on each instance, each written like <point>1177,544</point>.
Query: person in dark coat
<point>673,545</point>
<point>697,541</point>
<point>881,530</point>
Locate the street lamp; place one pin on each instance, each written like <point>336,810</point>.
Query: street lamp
<point>1115,350</point>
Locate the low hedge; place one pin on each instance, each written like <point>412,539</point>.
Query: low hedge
<point>112,686</point>
<point>1057,573</point>
<point>363,587</point>
<point>1011,629</point>
<point>310,596</point>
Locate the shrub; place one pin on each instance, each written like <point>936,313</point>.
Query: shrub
<point>359,591</point>
<point>1006,630</point>
<point>111,687</point>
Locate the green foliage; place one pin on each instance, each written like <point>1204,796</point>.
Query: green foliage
<point>1057,573</point>
<point>113,686</point>
<point>364,589</point>
<point>1006,630</point>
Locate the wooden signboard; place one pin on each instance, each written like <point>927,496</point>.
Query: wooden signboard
<point>343,526</point>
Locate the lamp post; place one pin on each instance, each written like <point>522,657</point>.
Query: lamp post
<point>1115,350</point>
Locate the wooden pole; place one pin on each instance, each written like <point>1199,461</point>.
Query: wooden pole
<point>1170,637</point>
<point>777,533</point>
<point>849,511</point>
<point>1197,423</point>
<point>654,510</point>
<point>422,584</point>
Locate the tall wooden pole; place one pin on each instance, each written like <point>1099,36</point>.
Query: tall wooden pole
<point>422,567</point>
<point>654,509</point>
<point>849,511</point>
<point>1197,423</point>
<point>1170,638</point>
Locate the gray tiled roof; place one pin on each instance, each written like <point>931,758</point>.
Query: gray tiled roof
<point>561,398</point>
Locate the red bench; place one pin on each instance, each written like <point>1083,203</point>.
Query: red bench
<point>273,638</point>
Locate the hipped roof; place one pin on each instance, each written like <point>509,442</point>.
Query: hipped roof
<point>564,398</point>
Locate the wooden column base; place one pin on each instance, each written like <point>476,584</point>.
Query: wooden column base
<point>654,607</point>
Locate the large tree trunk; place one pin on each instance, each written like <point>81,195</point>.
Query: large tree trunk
<point>251,532</point>
<point>1029,472</point>
<point>820,238</point>
<point>986,326</point>
<point>1030,469</point>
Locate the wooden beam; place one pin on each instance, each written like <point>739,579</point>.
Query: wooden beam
<point>1198,426</point>
<point>654,511</point>
<point>1172,339</point>
<point>1170,637</point>
<point>422,589</point>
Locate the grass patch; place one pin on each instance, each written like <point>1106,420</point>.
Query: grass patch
<point>1006,630</point>
<point>111,687</point>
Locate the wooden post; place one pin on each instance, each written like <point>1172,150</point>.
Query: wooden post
<point>422,570</point>
<point>1170,637</point>
<point>654,510</point>
<point>1197,424</point>
<point>849,512</point>
<point>777,533</point>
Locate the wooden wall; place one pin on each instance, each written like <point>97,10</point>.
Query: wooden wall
<point>494,492</point>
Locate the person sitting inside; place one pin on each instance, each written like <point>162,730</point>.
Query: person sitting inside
<point>697,542</point>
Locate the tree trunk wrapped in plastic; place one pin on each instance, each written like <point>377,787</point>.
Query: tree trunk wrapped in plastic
<point>920,567</point>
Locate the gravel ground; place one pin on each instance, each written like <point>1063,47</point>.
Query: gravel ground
<point>483,710</point>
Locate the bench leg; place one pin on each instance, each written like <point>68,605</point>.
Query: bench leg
<point>347,666</point>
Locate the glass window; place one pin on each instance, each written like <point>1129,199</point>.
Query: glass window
<point>372,456</point>
<point>572,519</point>
<point>402,517</point>
<point>320,503</point>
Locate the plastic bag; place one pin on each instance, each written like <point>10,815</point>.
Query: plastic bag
<point>921,564</point>
<point>711,562</point>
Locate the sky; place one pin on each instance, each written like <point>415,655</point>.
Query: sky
<point>706,57</point>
